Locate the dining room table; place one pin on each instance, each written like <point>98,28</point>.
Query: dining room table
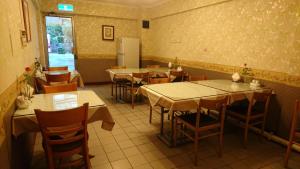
<point>24,120</point>
<point>40,78</point>
<point>185,96</point>
<point>126,73</point>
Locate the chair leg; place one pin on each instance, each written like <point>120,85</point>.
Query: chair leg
<point>175,132</point>
<point>196,148</point>
<point>132,100</point>
<point>263,127</point>
<point>287,154</point>
<point>112,88</point>
<point>246,133</point>
<point>150,116</point>
<point>116,89</point>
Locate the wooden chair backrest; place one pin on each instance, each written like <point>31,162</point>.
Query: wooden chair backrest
<point>60,88</point>
<point>153,66</point>
<point>260,97</point>
<point>214,104</point>
<point>178,74</point>
<point>118,67</point>
<point>159,80</point>
<point>143,76</point>
<point>65,77</point>
<point>61,118</point>
<point>218,104</point>
<point>57,68</point>
<point>197,77</point>
<point>62,128</point>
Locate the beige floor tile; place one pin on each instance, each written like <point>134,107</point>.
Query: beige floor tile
<point>121,164</point>
<point>115,156</point>
<point>144,166</point>
<point>162,164</point>
<point>154,155</point>
<point>125,144</point>
<point>111,147</point>
<point>147,147</point>
<point>131,151</point>
<point>137,160</point>
<point>103,166</point>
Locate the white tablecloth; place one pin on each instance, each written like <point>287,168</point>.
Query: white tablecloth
<point>25,120</point>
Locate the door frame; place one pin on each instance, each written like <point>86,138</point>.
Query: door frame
<point>44,15</point>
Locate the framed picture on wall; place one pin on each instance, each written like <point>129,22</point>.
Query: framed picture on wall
<point>26,19</point>
<point>108,32</point>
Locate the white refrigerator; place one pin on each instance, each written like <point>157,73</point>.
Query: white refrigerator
<point>128,51</point>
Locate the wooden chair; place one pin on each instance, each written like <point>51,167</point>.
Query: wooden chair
<point>176,76</point>
<point>58,78</point>
<point>197,77</point>
<point>203,125</point>
<point>58,68</point>
<point>64,135</point>
<point>153,66</point>
<point>294,133</point>
<point>117,82</point>
<point>134,84</point>
<point>252,114</point>
<point>60,88</point>
<point>157,81</point>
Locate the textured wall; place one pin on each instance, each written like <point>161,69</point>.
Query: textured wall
<point>89,16</point>
<point>263,33</point>
<point>94,8</point>
<point>89,35</point>
<point>13,59</point>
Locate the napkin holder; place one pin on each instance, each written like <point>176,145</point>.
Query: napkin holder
<point>21,102</point>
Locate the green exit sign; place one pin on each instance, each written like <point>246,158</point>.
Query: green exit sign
<point>65,7</point>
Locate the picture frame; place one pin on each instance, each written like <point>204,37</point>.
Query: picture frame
<point>108,32</point>
<point>26,19</point>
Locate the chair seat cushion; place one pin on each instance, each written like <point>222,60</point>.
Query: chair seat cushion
<point>204,119</point>
<point>241,107</point>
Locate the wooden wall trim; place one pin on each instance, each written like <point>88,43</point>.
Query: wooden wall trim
<point>279,77</point>
<point>96,56</point>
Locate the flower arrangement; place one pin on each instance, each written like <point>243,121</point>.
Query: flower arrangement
<point>37,65</point>
<point>27,83</point>
<point>247,73</point>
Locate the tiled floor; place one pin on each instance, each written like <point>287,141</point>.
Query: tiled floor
<point>133,144</point>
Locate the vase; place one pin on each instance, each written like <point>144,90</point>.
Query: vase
<point>247,79</point>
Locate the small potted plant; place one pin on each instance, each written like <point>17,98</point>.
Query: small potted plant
<point>246,74</point>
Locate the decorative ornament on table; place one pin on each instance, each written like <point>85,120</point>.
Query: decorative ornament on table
<point>179,69</point>
<point>236,77</point>
<point>170,65</point>
<point>247,74</point>
<point>21,102</point>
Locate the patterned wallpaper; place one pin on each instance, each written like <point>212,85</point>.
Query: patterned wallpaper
<point>89,35</point>
<point>89,17</point>
<point>265,34</point>
<point>13,56</point>
<point>94,8</point>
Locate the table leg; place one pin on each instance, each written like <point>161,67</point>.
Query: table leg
<point>161,121</point>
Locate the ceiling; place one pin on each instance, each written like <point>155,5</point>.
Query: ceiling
<point>144,3</point>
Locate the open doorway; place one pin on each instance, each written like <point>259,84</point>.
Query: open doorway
<point>60,41</point>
